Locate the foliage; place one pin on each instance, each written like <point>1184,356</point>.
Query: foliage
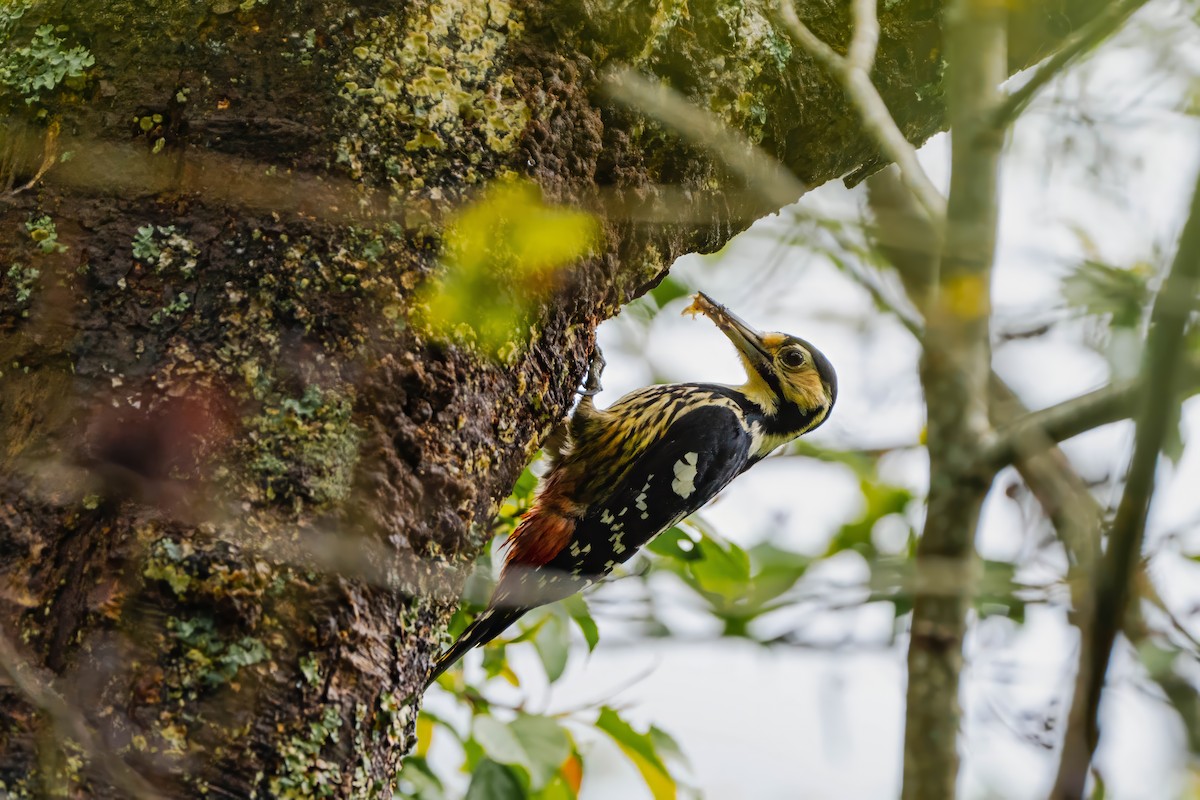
<point>502,255</point>
<point>23,280</point>
<point>511,753</point>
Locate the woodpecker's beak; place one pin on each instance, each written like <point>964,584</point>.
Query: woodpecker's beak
<point>748,341</point>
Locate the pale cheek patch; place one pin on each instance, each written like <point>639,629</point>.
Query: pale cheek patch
<point>685,475</point>
<point>805,390</point>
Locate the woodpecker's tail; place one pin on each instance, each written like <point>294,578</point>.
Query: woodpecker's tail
<point>487,626</point>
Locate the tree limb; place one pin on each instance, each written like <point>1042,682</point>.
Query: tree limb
<point>1080,41</point>
<point>955,372</point>
<point>1045,427</point>
<point>759,169</point>
<point>853,72</point>
<point>1159,379</point>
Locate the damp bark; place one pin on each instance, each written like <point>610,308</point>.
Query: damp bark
<point>215,413</point>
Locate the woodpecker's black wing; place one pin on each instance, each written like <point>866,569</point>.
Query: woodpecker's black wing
<point>697,456</point>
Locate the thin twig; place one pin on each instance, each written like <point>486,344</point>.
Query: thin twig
<point>1159,380</point>
<point>69,724</point>
<point>763,173</point>
<point>853,72</point>
<point>1081,40</point>
<point>1043,428</point>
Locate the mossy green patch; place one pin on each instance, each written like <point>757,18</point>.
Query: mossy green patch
<point>204,659</point>
<point>23,280</point>
<point>164,249</point>
<point>43,231</point>
<point>35,64</point>
<point>302,772</point>
<point>431,95</point>
<point>305,447</point>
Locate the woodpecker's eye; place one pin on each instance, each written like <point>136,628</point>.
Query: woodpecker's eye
<point>792,359</point>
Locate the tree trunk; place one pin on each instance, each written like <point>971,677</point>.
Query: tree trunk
<point>211,391</point>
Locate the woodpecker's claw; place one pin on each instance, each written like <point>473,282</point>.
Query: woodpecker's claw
<point>591,386</point>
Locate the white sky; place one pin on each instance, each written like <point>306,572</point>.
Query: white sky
<point>791,723</point>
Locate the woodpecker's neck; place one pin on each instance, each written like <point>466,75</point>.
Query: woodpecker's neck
<point>771,421</point>
<point>777,423</point>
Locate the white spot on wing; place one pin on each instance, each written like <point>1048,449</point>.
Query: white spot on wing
<point>685,475</point>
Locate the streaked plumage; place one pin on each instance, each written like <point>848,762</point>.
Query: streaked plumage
<point>629,472</point>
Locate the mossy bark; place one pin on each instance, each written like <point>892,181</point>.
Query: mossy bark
<point>206,369</point>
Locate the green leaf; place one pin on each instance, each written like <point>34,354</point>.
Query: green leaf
<point>640,749</point>
<point>669,289</point>
<point>523,489</point>
<point>557,789</point>
<point>422,782</point>
<point>501,255</point>
<point>722,569</point>
<point>498,741</point>
<point>537,744</point>
<point>665,745</point>
<point>1103,289</point>
<point>493,781</point>
<point>553,646</point>
<point>675,543</point>
<point>546,746</point>
<point>576,606</point>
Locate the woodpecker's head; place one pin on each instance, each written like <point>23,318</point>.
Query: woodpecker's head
<point>792,381</point>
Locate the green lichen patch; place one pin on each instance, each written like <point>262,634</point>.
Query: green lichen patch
<point>304,448</point>
<point>36,64</point>
<point>178,305</point>
<point>425,96</point>
<point>164,249</point>
<point>22,280</point>
<point>302,772</point>
<point>204,659</point>
<point>45,234</point>
<point>389,730</point>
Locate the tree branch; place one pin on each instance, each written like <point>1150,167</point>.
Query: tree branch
<point>904,236</point>
<point>69,724</point>
<point>853,72</point>
<point>1041,429</point>
<point>1080,41</point>
<point>955,372</point>
<point>759,169</point>
<point>1159,380</point>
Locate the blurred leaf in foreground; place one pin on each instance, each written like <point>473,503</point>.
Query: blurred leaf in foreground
<point>501,256</point>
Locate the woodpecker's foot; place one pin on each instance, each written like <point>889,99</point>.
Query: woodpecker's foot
<point>591,386</point>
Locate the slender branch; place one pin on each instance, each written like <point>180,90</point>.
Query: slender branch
<point>69,724</point>
<point>865,42</point>
<point>758,168</point>
<point>1159,380</point>
<point>1080,41</point>
<point>955,372</point>
<point>1040,429</point>
<point>907,240</point>
<point>853,72</point>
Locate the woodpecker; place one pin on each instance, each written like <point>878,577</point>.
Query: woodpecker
<point>622,475</point>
